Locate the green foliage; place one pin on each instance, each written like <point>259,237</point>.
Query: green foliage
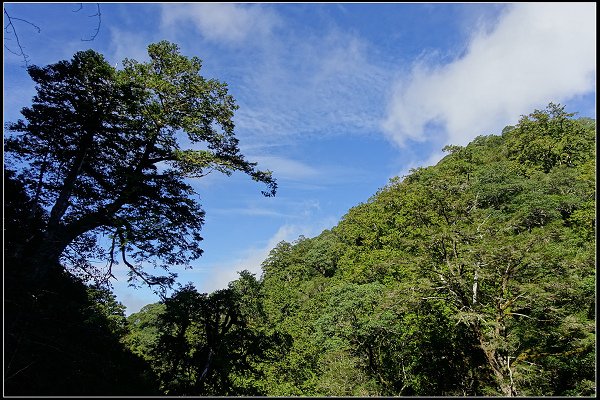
<point>472,277</point>
<point>144,330</point>
<point>107,308</point>
<point>201,344</point>
<point>547,138</point>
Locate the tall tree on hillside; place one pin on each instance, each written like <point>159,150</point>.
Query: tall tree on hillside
<point>103,152</point>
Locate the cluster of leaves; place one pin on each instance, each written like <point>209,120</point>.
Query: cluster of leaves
<point>200,344</point>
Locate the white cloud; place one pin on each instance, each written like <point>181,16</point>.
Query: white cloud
<point>288,208</point>
<point>537,53</point>
<point>222,22</point>
<point>126,44</point>
<point>285,168</point>
<point>319,84</point>
<point>252,211</point>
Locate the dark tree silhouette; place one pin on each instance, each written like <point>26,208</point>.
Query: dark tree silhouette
<point>101,151</point>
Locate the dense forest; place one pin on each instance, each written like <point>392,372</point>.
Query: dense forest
<point>473,277</point>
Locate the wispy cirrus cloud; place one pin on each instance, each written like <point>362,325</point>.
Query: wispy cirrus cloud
<point>313,85</point>
<point>229,23</point>
<point>286,168</point>
<point>535,54</point>
<point>289,83</point>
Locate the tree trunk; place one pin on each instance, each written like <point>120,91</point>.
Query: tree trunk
<point>43,253</point>
<point>497,366</point>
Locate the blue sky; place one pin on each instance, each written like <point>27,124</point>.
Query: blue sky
<point>335,98</point>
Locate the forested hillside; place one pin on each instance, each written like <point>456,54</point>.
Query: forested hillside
<point>475,276</point>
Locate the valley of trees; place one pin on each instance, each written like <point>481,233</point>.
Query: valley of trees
<point>473,277</point>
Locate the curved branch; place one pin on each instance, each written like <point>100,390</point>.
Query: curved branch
<point>97,14</point>
<point>162,282</point>
<point>111,261</point>
<point>129,265</point>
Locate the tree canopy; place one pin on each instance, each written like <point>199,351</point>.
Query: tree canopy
<point>105,153</point>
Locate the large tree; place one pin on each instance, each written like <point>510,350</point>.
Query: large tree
<point>103,153</point>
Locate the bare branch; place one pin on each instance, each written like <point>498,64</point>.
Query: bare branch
<point>21,370</point>
<point>13,31</point>
<point>97,30</point>
<point>10,29</point>
<point>124,257</point>
<point>14,354</point>
<point>111,262</point>
<point>150,281</point>
<point>527,316</point>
